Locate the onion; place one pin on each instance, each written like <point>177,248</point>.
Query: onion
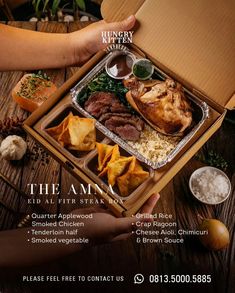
<point>217,236</point>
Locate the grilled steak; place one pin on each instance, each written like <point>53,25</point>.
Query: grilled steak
<point>106,116</point>
<point>107,108</point>
<point>120,121</point>
<point>117,107</point>
<point>99,103</point>
<point>117,125</point>
<point>128,132</point>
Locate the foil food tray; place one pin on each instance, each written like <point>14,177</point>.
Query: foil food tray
<point>195,101</point>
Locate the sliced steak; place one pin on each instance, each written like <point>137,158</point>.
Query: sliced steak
<point>128,132</point>
<point>107,108</point>
<point>118,107</point>
<point>120,121</point>
<point>97,109</point>
<point>139,123</point>
<point>101,97</point>
<point>128,128</point>
<point>106,116</point>
<point>99,103</point>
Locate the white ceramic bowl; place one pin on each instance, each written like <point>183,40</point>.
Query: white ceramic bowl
<point>197,173</point>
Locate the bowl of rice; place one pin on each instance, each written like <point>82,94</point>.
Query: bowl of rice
<point>210,185</point>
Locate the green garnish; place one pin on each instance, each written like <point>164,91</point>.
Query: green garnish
<point>213,159</point>
<point>143,69</point>
<point>104,83</point>
<point>41,74</point>
<point>30,85</point>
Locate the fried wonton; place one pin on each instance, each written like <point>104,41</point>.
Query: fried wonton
<point>126,172</point>
<point>114,156</point>
<point>104,153</point>
<point>57,131</point>
<point>75,133</point>
<point>82,133</point>
<point>64,137</point>
<point>116,168</point>
<point>129,181</point>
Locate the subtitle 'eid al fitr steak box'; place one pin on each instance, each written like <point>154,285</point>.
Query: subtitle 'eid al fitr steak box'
<point>184,41</point>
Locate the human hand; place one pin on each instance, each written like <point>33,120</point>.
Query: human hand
<point>105,227</point>
<point>88,41</point>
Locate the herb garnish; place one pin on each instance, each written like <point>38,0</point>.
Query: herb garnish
<point>41,74</point>
<point>104,83</point>
<point>32,83</point>
<point>213,159</point>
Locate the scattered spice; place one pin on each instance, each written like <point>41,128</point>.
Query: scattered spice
<point>37,153</point>
<point>11,126</point>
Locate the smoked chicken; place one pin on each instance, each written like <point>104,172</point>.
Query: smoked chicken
<point>162,104</point>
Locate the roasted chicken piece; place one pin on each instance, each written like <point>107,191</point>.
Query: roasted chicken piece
<point>162,104</point>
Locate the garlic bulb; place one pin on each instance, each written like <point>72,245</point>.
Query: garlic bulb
<point>13,147</point>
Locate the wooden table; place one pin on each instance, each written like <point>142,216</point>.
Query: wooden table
<point>124,257</point>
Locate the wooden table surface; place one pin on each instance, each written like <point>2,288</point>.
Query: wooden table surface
<point>124,257</point>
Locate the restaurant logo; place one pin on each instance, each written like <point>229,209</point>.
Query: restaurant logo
<point>120,37</point>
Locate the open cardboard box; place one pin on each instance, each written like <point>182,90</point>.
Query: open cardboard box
<point>191,46</point>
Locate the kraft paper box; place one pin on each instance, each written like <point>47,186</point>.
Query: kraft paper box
<point>189,46</point>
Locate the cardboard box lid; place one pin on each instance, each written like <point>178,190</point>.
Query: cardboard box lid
<point>194,40</point>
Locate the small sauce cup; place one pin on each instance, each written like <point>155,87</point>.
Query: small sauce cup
<point>119,65</point>
<point>143,69</point>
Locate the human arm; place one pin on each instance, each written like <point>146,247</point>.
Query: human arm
<point>29,50</point>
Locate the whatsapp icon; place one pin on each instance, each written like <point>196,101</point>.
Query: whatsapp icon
<point>138,279</point>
